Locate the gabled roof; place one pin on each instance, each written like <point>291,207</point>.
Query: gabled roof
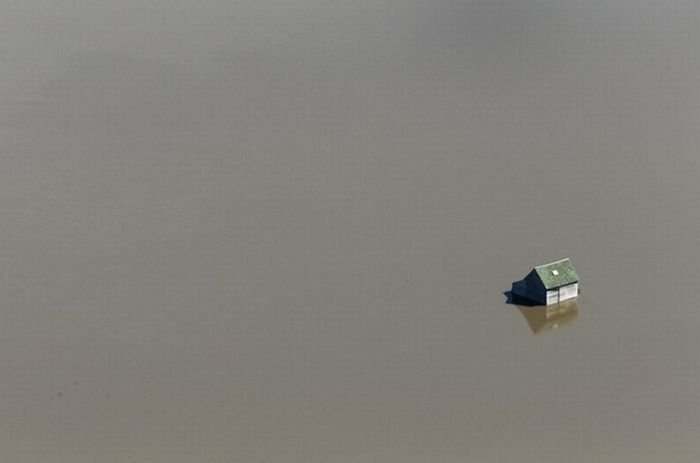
<point>557,273</point>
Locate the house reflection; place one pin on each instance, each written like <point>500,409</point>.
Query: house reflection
<point>548,318</point>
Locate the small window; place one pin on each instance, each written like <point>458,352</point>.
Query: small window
<point>555,272</point>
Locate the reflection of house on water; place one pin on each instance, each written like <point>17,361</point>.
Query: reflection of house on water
<point>547,318</point>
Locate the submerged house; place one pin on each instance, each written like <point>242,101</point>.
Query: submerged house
<point>549,283</point>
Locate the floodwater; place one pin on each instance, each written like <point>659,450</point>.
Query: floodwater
<point>280,231</point>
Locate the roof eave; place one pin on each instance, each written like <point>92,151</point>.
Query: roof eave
<point>561,286</point>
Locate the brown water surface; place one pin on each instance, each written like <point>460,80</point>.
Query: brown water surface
<point>281,231</point>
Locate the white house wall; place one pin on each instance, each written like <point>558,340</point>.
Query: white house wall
<point>568,292</point>
<point>562,294</point>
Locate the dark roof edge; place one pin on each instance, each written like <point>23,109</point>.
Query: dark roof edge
<point>561,286</point>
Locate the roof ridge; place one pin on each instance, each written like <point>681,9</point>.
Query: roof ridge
<point>553,262</point>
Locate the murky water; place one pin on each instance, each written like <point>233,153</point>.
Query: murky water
<point>281,231</point>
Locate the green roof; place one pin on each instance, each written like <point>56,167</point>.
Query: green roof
<point>556,274</point>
